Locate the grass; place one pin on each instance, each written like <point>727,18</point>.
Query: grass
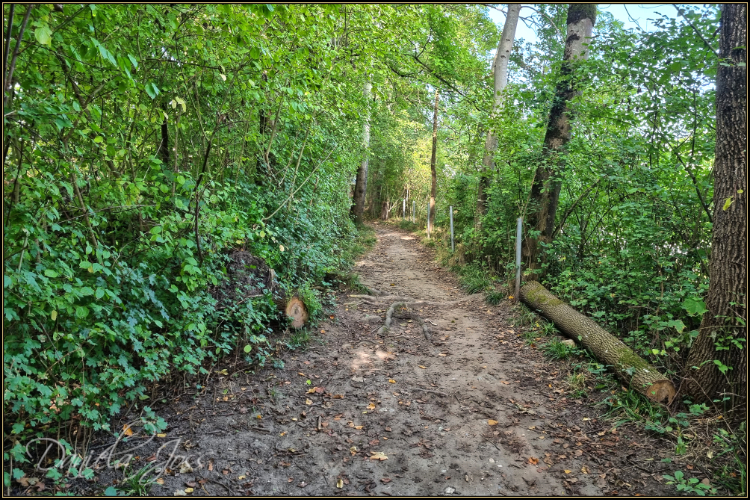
<point>494,297</point>
<point>474,279</point>
<point>555,349</point>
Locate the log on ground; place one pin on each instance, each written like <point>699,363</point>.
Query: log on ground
<point>626,364</point>
<point>294,308</point>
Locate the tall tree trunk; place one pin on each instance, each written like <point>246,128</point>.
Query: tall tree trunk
<point>360,187</point>
<point>433,165</point>
<point>164,145</point>
<point>500,74</point>
<point>723,336</point>
<point>545,190</point>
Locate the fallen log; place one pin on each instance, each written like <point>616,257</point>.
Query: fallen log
<point>626,364</point>
<point>294,308</point>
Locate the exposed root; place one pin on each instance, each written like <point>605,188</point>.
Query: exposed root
<point>388,298</point>
<point>389,317</point>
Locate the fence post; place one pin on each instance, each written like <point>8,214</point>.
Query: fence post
<point>453,243</point>
<point>428,220</point>
<point>519,234</point>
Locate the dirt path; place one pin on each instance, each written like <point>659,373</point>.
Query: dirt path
<point>425,405</point>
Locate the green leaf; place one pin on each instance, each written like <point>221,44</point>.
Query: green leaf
<point>248,348</point>
<point>152,90</point>
<point>81,312</point>
<point>43,35</point>
<point>694,307</point>
<point>51,273</point>
<point>133,60</point>
<point>727,203</point>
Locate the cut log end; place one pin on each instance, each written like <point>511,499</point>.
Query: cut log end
<point>295,309</point>
<point>661,391</point>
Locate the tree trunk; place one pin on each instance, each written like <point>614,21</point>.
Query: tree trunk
<point>627,365</point>
<point>723,336</point>
<point>500,74</point>
<point>164,145</point>
<point>433,165</point>
<point>360,187</point>
<point>545,190</point>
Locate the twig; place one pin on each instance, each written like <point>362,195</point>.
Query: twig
<point>300,186</point>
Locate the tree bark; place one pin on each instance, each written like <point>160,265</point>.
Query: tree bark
<point>500,74</point>
<point>360,186</point>
<point>723,336</point>
<point>433,165</point>
<point>164,145</point>
<point>627,365</point>
<point>545,190</point>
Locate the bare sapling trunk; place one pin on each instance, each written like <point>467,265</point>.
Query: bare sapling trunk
<point>545,190</point>
<point>500,75</point>
<point>433,165</point>
<point>360,187</point>
<point>717,362</point>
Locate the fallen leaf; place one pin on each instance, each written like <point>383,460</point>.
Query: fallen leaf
<point>353,450</point>
<point>390,380</point>
<point>185,468</point>
<point>189,490</point>
<point>210,465</point>
<point>241,477</point>
<point>300,374</point>
<point>585,469</point>
<point>441,354</point>
<point>161,435</point>
<point>180,493</point>
<point>160,480</point>
<point>385,480</point>
<point>308,402</point>
<point>378,455</point>
<point>311,391</point>
<point>387,429</point>
<point>504,382</point>
<point>340,483</point>
<point>492,422</point>
<point>371,406</point>
<point>567,471</point>
<point>127,430</point>
<point>319,390</point>
<point>422,366</point>
<point>359,427</point>
<point>533,461</point>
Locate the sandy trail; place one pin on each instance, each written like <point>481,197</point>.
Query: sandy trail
<point>425,405</point>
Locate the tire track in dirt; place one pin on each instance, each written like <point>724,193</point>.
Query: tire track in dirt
<point>424,405</point>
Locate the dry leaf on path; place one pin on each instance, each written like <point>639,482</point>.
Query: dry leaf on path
<point>533,461</point>
<point>308,402</point>
<point>391,381</point>
<point>127,430</point>
<point>378,455</point>
<point>492,422</point>
<point>340,483</point>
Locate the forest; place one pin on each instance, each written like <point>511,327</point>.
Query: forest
<point>144,143</point>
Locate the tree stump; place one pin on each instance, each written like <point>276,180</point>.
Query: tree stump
<point>249,276</point>
<point>626,364</point>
